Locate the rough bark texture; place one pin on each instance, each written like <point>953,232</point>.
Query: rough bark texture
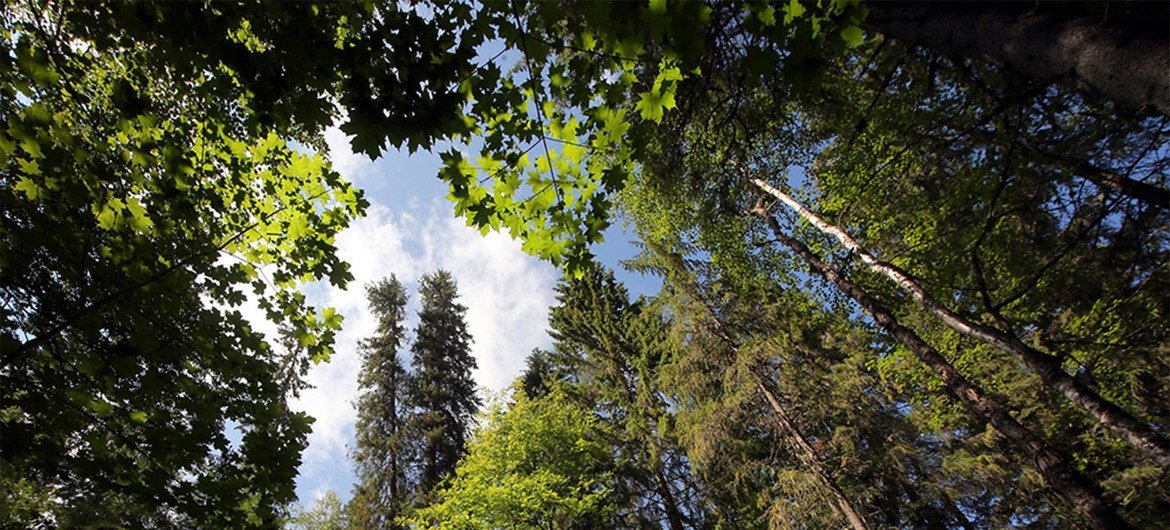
<point>1121,56</point>
<point>1134,431</point>
<point>1058,474</point>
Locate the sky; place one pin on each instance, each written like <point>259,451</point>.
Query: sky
<point>410,230</point>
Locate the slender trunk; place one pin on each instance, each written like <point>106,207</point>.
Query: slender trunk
<point>811,459</point>
<point>673,516</point>
<point>395,501</point>
<point>1134,431</point>
<point>1060,476</point>
<point>1105,179</point>
<point>1118,58</point>
<point>927,513</point>
<point>810,454</point>
<point>935,517</point>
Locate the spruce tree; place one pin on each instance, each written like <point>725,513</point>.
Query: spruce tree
<point>539,375</point>
<point>385,448</point>
<point>444,392</point>
<point>610,349</point>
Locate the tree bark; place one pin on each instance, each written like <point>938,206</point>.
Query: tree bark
<point>933,516</point>
<point>1105,179</point>
<point>811,459</point>
<point>673,516</point>
<point>1134,431</point>
<point>810,454</point>
<point>1058,474</point>
<point>1122,58</point>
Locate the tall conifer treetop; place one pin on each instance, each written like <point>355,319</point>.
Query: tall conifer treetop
<point>444,391</point>
<point>385,450</point>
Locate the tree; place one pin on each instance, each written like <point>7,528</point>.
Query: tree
<point>1059,180</point>
<point>134,224</point>
<point>540,464</point>
<point>155,164</point>
<point>739,252</point>
<point>444,393</point>
<point>1057,471</point>
<point>1047,367</point>
<point>149,179</point>
<point>327,513</point>
<point>609,351</point>
<point>385,448</point>
<point>537,379</point>
<point>965,176</point>
<point>1086,45</point>
<point>776,404</point>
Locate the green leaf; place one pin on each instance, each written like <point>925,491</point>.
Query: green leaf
<point>767,16</point>
<point>101,408</point>
<point>658,7</point>
<point>107,217</point>
<point>298,226</point>
<point>668,73</point>
<point>138,220</point>
<point>652,105</point>
<point>32,147</point>
<point>792,11</point>
<point>30,188</point>
<point>574,153</point>
<point>331,318</point>
<point>853,36</point>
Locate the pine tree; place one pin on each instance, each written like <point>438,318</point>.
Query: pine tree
<point>444,392</point>
<point>385,448</point>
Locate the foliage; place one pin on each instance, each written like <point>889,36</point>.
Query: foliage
<point>157,170</point>
<point>539,464</point>
<point>961,174</point>
<point>327,513</point>
<point>135,223</point>
<point>444,394</point>
<point>596,57</point>
<point>537,379</point>
<point>607,356</point>
<point>385,447</point>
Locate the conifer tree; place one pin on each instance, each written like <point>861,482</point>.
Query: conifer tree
<point>385,448</point>
<point>538,376</point>
<point>444,392</point>
<point>610,349</point>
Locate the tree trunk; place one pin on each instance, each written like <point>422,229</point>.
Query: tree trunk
<point>673,516</point>
<point>912,475</point>
<point>1104,179</point>
<point>1134,431</point>
<point>810,454</point>
<point>1122,57</point>
<point>1058,474</point>
<point>930,514</point>
<point>811,459</point>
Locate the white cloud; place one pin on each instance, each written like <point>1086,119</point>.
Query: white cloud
<point>355,167</point>
<point>506,291</point>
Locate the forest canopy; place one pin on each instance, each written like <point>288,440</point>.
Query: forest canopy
<point>914,256</point>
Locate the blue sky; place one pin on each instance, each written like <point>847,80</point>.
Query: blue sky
<point>409,231</point>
